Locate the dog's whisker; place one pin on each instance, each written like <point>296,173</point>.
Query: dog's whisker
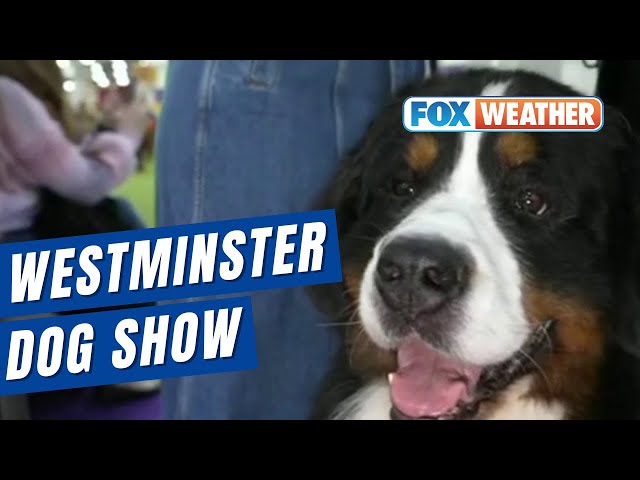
<point>351,305</point>
<point>537,366</point>
<point>377,227</point>
<point>353,315</point>
<point>349,308</point>
<point>362,237</point>
<point>355,343</point>
<point>547,338</point>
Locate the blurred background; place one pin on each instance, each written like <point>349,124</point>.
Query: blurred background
<point>95,87</point>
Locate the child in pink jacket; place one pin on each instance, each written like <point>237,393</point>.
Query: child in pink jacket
<point>35,153</point>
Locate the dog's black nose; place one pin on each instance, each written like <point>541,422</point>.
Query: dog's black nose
<point>422,274</point>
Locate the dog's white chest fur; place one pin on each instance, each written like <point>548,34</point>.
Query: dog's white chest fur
<point>373,402</point>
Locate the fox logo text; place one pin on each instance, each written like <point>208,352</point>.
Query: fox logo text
<point>482,114</point>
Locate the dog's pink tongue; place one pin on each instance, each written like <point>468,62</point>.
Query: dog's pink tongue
<point>428,384</point>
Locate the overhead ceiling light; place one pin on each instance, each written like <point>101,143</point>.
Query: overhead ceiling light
<point>120,74</point>
<point>63,64</point>
<point>69,86</point>
<point>119,65</point>
<point>98,76</point>
<point>122,81</point>
<point>96,69</point>
<point>103,82</point>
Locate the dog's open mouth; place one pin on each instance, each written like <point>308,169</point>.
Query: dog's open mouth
<point>430,386</point>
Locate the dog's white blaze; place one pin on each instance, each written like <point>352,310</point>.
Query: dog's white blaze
<point>494,324</point>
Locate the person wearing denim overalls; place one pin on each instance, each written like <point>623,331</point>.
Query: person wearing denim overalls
<point>242,138</point>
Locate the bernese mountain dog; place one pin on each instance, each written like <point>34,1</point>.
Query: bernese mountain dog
<point>486,275</point>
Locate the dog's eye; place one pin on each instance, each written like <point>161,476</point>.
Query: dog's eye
<point>402,188</point>
<point>532,202</point>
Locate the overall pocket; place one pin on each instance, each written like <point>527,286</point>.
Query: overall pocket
<point>264,74</point>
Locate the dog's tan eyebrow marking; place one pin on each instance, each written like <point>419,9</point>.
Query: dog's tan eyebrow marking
<point>517,148</point>
<point>422,152</point>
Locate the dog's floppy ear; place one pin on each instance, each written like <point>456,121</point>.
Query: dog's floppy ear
<point>343,194</point>
<point>621,388</point>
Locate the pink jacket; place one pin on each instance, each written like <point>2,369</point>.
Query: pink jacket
<point>34,152</point>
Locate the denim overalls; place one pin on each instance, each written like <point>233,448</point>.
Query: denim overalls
<point>240,138</point>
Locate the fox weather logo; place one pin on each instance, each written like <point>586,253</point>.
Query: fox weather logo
<point>480,114</point>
